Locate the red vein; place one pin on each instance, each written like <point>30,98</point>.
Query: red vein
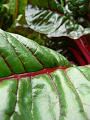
<point>29,74</point>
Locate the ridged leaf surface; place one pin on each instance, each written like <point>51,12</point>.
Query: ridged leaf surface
<point>37,83</point>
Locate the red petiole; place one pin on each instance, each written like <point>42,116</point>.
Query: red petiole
<point>83,48</point>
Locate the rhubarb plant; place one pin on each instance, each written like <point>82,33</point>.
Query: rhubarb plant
<point>37,83</point>
<point>57,18</point>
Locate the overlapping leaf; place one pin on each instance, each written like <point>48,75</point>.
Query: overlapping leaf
<point>57,19</point>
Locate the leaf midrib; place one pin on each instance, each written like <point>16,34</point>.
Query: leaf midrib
<point>29,74</point>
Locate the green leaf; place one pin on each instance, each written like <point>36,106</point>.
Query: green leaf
<point>20,54</point>
<point>10,12</point>
<point>46,4</point>
<point>68,19</point>
<point>32,87</point>
<point>12,6</point>
<point>21,6</point>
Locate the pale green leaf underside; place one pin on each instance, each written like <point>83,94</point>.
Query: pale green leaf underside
<point>54,24</point>
<point>60,95</point>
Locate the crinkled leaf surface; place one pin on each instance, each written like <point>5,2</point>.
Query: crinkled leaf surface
<point>31,90</point>
<point>56,19</point>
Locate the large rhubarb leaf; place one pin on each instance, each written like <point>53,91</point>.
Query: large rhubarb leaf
<point>59,18</point>
<point>37,83</point>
